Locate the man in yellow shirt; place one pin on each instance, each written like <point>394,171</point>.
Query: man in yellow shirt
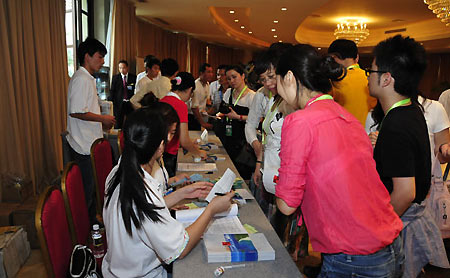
<point>352,92</point>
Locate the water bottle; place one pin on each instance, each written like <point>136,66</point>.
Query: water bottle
<point>97,242</point>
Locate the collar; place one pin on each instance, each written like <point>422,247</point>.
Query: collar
<point>126,75</point>
<point>83,69</point>
<point>174,95</point>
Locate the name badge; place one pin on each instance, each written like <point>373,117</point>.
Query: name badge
<point>129,87</point>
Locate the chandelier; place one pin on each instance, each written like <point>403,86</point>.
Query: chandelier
<point>351,29</point>
<point>441,8</point>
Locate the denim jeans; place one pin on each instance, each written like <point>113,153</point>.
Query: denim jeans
<point>386,263</point>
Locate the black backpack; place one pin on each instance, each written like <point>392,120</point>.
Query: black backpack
<point>82,263</point>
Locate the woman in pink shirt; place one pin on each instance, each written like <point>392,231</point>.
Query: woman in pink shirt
<point>327,169</point>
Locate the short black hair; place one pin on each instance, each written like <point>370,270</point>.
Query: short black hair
<point>153,61</point>
<point>222,67</point>
<point>405,59</point>
<point>169,67</point>
<point>148,58</point>
<point>123,62</point>
<point>270,57</point>
<point>344,49</point>
<point>90,46</point>
<point>203,67</point>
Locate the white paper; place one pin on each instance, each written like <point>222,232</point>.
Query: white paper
<point>190,215</point>
<point>245,194</point>
<point>196,167</point>
<point>223,185</point>
<point>226,225</point>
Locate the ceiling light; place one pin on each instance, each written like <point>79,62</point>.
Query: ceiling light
<point>242,26</point>
<point>275,36</point>
<point>319,48</point>
<point>236,20</point>
<point>284,9</point>
<point>231,12</point>
<point>250,32</point>
<point>280,41</point>
<point>352,29</point>
<point>275,21</point>
<point>273,30</point>
<point>441,9</point>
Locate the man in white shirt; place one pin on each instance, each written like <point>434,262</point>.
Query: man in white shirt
<point>444,99</point>
<point>85,121</point>
<point>147,60</point>
<point>159,87</point>
<point>201,99</point>
<point>152,72</point>
<point>217,89</point>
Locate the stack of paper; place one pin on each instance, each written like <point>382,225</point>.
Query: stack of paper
<point>196,167</point>
<point>237,248</point>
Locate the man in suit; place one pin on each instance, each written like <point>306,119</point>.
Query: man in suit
<point>122,89</point>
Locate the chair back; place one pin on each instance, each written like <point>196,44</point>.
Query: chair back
<point>75,204</point>
<point>102,164</point>
<point>53,232</point>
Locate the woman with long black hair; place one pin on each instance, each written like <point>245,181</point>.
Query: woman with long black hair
<point>142,235</point>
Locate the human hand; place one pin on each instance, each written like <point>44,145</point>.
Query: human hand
<point>207,126</point>
<point>444,150</point>
<point>232,114</point>
<point>221,203</point>
<point>373,138</point>
<point>199,189</point>
<point>202,154</point>
<point>257,175</point>
<point>108,121</point>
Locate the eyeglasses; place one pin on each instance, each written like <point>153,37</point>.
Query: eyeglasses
<point>369,71</point>
<point>263,80</point>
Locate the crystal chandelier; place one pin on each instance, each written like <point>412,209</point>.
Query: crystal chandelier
<point>441,8</point>
<point>350,29</point>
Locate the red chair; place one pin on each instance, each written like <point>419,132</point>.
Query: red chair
<point>75,204</point>
<point>102,163</point>
<point>53,232</point>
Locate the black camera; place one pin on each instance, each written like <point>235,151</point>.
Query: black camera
<point>224,108</point>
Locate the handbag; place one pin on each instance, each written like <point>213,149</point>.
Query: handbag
<point>82,263</point>
<point>438,203</point>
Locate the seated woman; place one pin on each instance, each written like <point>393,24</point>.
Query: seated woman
<point>327,169</point>
<point>183,86</point>
<point>142,235</point>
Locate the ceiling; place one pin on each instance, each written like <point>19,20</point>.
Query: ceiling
<point>304,21</point>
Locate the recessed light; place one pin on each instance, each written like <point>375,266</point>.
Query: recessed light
<point>273,30</point>
<point>231,12</point>
<point>236,20</point>
<point>319,48</point>
<point>275,36</point>
<point>275,21</point>
<point>242,26</point>
<point>280,41</point>
<point>284,9</point>
<point>250,32</point>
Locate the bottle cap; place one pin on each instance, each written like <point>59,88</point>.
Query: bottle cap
<point>95,227</point>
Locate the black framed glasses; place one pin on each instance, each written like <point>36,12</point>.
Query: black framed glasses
<point>369,71</point>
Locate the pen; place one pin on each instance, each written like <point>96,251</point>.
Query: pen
<point>220,194</point>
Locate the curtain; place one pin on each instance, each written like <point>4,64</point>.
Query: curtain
<point>161,43</point>
<point>34,90</point>
<point>197,55</point>
<point>219,55</point>
<point>123,37</point>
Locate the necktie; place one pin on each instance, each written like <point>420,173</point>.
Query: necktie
<point>125,91</point>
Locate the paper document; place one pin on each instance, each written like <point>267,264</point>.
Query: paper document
<point>190,215</point>
<point>196,167</point>
<point>223,185</point>
<point>226,225</point>
<point>245,194</point>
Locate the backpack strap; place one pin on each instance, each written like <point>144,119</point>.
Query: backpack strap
<point>447,168</point>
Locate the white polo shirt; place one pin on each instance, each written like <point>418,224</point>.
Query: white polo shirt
<point>142,254</point>
<point>82,98</point>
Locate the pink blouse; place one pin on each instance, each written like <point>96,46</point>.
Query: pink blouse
<point>327,168</point>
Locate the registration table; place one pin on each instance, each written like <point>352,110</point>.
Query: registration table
<point>195,264</point>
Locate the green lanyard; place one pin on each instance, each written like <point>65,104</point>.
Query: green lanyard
<point>268,119</point>
<point>243,90</point>
<point>397,104</point>
<point>322,97</point>
<point>355,66</point>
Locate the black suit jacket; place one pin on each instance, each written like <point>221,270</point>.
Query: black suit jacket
<point>116,95</point>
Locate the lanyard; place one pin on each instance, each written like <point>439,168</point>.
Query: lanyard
<point>320,97</point>
<point>268,119</point>
<point>239,97</point>
<point>355,66</point>
<point>397,104</point>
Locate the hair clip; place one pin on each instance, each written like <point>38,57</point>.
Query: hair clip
<point>178,79</point>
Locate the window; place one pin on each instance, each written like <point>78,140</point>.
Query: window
<point>70,37</point>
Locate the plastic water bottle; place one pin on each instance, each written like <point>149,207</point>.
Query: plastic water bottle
<point>98,248</point>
